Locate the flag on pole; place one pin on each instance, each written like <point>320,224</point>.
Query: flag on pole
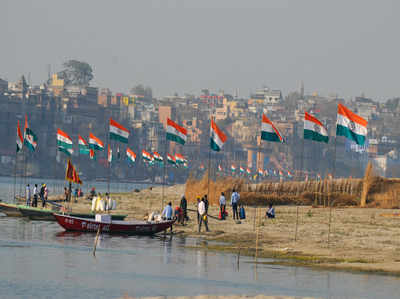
<point>118,132</point>
<point>147,156</point>
<point>157,157</point>
<point>266,172</point>
<point>314,129</point>
<point>289,174</point>
<point>95,143</point>
<point>83,146</point>
<point>171,159</point>
<point>260,172</point>
<point>219,168</point>
<point>131,156</point>
<point>179,159</point>
<point>218,138</point>
<point>318,177</point>
<point>30,139</point>
<point>248,171</point>
<point>280,173</point>
<point>109,154</point>
<point>233,168</point>
<point>269,132</point>
<point>175,132</point>
<point>241,169</point>
<point>351,125</point>
<point>20,138</point>
<point>64,142</point>
<point>71,175</point>
<point>202,167</point>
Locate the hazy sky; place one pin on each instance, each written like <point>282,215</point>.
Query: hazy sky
<point>342,46</point>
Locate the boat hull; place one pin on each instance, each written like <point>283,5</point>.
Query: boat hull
<point>48,215</point>
<point>11,210</point>
<point>70,223</point>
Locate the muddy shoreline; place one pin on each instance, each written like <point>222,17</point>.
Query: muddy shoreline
<point>360,239</point>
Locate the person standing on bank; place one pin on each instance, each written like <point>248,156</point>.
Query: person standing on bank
<point>206,203</point>
<point>222,206</point>
<point>35,196</point>
<point>28,195</point>
<point>203,214</point>
<point>183,206</point>
<point>235,197</point>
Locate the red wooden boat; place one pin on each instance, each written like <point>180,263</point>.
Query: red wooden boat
<point>135,227</point>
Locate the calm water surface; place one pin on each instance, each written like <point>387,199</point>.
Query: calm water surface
<point>39,260</point>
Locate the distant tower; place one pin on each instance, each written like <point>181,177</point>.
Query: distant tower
<point>301,89</point>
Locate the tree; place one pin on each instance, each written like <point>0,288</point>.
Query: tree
<point>76,73</point>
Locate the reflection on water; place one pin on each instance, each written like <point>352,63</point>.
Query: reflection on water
<point>40,260</point>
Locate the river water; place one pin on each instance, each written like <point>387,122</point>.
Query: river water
<point>8,186</point>
<point>39,260</point>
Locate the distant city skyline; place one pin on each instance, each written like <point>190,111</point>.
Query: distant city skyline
<point>347,48</point>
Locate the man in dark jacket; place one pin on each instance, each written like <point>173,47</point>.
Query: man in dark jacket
<point>183,206</point>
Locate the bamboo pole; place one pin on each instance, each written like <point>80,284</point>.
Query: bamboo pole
<point>96,240</point>
<point>297,223</point>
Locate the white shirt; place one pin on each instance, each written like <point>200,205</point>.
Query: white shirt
<point>35,191</point>
<point>202,208</point>
<point>222,200</point>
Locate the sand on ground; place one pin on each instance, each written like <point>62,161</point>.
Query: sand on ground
<point>360,239</point>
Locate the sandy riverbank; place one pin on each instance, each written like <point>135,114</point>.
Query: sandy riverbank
<point>360,239</point>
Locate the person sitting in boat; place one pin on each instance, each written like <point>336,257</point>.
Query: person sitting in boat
<point>271,211</point>
<point>167,212</point>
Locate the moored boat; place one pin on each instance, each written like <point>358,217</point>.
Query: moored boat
<point>136,227</point>
<point>48,214</point>
<point>10,209</point>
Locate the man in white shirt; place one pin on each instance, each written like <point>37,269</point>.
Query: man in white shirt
<point>35,196</point>
<point>203,214</point>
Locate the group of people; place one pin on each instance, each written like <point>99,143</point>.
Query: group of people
<point>202,210</point>
<point>42,193</point>
<point>77,193</point>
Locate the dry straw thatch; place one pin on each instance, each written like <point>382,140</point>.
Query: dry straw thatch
<point>371,191</point>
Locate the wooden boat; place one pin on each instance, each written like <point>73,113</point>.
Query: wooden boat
<point>10,209</point>
<point>48,214</point>
<point>136,227</point>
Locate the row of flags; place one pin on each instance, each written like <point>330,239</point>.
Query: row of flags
<point>349,125</point>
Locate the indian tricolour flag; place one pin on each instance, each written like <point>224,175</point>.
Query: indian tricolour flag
<point>146,156</point>
<point>83,146</point>
<point>269,132</point>
<point>30,139</point>
<point>219,168</point>
<point>217,137</point>
<point>157,157</point>
<point>260,172</point>
<point>20,138</point>
<point>92,154</point>
<point>179,159</point>
<point>171,159</point>
<point>175,132</point>
<point>248,171</point>
<point>233,168</point>
<point>131,156</point>
<point>314,129</point>
<point>241,169</point>
<point>118,132</point>
<point>95,143</point>
<point>64,142</point>
<point>351,125</point>
<point>202,167</point>
<point>289,174</point>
